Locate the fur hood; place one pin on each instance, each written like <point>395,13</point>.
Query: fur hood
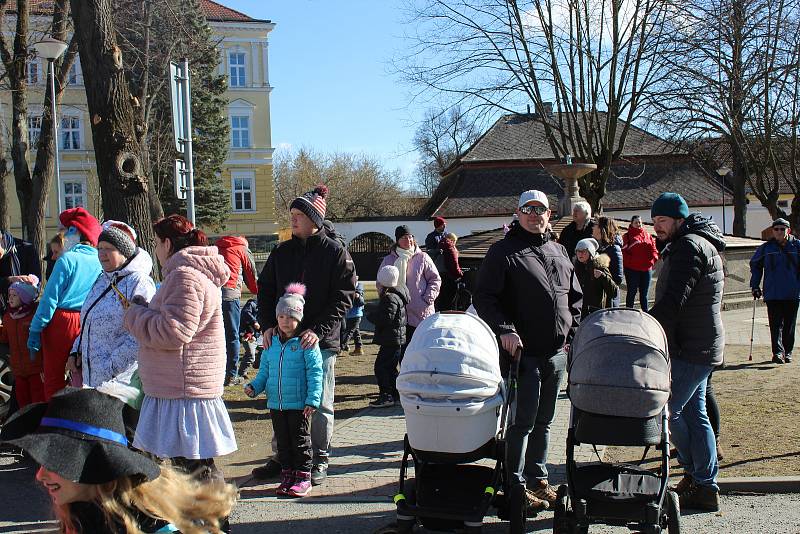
<point>602,261</point>
<point>206,260</point>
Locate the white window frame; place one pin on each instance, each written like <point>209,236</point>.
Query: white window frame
<point>33,140</point>
<point>243,175</point>
<point>76,131</point>
<point>75,71</point>
<point>70,180</point>
<point>241,68</point>
<point>238,129</point>
<point>29,71</point>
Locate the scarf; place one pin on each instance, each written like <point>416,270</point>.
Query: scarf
<point>21,311</point>
<point>403,257</point>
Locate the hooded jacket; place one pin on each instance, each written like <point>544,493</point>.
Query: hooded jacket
<point>107,349</point>
<point>639,251</point>
<point>323,265</point>
<point>180,334</point>
<point>599,292</point>
<point>290,374</point>
<point>527,284</point>
<point>241,264</point>
<point>780,266</point>
<point>423,282</point>
<point>689,292</point>
<point>390,317</point>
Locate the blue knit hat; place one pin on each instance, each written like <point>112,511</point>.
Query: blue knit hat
<point>670,205</point>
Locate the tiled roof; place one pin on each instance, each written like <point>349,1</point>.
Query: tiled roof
<point>522,137</point>
<point>491,190</point>
<point>213,11</point>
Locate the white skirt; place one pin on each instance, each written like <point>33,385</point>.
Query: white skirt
<point>191,428</point>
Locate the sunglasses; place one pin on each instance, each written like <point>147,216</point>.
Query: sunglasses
<point>538,210</point>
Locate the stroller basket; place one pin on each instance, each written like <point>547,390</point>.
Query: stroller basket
<point>610,430</point>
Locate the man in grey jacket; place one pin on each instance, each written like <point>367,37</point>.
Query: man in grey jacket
<point>688,306</point>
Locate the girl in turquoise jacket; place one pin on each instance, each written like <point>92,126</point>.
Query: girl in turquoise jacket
<point>292,378</point>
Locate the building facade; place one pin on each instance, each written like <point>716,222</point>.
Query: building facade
<point>247,172</point>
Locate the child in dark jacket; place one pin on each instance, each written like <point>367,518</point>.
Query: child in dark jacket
<point>248,332</point>
<point>292,377</point>
<point>390,333</point>
<point>594,275</point>
<point>26,367</point>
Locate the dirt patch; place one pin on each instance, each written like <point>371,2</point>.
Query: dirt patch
<point>759,404</point>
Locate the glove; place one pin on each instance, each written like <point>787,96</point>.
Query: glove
<point>35,341</point>
<point>757,293</point>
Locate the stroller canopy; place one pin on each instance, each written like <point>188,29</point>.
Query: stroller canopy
<point>452,357</point>
<point>619,364</point>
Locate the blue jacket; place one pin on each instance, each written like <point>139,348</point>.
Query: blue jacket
<point>780,267</point>
<point>73,276</point>
<point>358,303</point>
<point>291,375</point>
<point>249,317</point>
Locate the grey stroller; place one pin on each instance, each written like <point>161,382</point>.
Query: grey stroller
<point>619,385</point>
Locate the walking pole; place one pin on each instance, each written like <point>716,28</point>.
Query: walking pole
<point>752,330</point>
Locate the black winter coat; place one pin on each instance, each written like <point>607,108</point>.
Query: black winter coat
<point>28,264</point>
<point>689,292</point>
<point>249,317</point>
<point>323,265</point>
<point>527,284</point>
<point>570,235</point>
<point>598,293</point>
<point>390,317</point>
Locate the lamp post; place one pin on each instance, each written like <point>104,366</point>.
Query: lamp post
<point>51,49</point>
<point>723,172</point>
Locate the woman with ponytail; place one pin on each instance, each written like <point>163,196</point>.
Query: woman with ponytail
<point>182,353</point>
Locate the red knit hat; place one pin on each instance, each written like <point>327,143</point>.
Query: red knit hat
<point>438,221</point>
<point>83,221</point>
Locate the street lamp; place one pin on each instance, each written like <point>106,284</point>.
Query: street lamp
<point>723,172</point>
<point>51,49</point>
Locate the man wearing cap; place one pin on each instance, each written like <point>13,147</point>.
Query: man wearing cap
<point>323,265</point>
<point>688,306</point>
<point>529,295</point>
<point>434,238</point>
<point>779,261</point>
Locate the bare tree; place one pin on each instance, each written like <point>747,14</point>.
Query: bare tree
<point>442,136</point>
<point>731,81</point>
<point>595,60</point>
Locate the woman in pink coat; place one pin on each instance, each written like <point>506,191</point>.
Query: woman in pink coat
<point>182,353</point>
<point>422,278</point>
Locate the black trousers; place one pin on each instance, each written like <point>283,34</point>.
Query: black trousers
<point>386,369</point>
<point>712,407</point>
<point>293,434</point>
<point>351,328</point>
<point>782,318</point>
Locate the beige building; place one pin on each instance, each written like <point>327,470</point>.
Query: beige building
<point>247,173</point>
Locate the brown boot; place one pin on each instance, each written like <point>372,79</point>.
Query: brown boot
<point>684,485</point>
<point>534,504</point>
<point>698,497</point>
<point>357,351</point>
<point>544,491</point>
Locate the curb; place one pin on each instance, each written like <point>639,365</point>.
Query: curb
<point>790,484</point>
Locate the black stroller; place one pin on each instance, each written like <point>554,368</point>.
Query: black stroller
<point>456,407</point>
<point>619,385</point>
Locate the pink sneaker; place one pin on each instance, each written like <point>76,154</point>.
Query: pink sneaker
<point>287,479</point>
<point>302,484</point>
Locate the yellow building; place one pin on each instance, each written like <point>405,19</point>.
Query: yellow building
<point>244,53</point>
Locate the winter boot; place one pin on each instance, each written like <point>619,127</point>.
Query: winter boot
<point>271,469</point>
<point>704,498</point>
<point>383,401</point>
<point>302,484</point>
<point>542,490</point>
<point>358,351</point>
<point>534,504</point>
<point>287,479</point>
<point>685,484</point>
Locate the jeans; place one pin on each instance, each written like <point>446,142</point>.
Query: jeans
<point>386,369</point>
<point>351,328</point>
<point>231,316</point>
<point>637,281</point>
<point>294,440</point>
<point>782,318</point>
<point>690,427</point>
<point>322,420</point>
<point>532,413</point>
<point>712,407</point>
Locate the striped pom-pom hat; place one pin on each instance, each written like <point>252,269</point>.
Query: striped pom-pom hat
<point>313,204</point>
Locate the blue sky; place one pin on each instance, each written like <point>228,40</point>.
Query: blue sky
<point>329,64</point>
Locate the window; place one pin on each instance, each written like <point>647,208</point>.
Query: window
<point>237,62</point>
<point>74,193</point>
<point>240,131</point>
<point>242,191</point>
<point>70,133</point>
<point>75,76</point>
<point>34,128</point>
<point>32,72</point>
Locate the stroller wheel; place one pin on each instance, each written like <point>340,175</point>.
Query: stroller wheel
<point>405,526</point>
<point>673,513</point>
<point>517,509</point>
<point>561,520</point>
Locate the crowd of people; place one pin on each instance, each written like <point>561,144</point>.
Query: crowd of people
<point>152,360</point>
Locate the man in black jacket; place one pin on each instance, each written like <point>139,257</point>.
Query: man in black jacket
<point>323,265</point>
<point>688,306</point>
<point>528,294</point>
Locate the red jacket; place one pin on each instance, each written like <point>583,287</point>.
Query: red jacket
<point>240,261</point>
<point>15,333</point>
<point>450,254</point>
<point>639,251</point>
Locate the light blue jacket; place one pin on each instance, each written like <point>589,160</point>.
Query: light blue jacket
<point>358,309</point>
<point>291,375</point>
<point>73,276</point>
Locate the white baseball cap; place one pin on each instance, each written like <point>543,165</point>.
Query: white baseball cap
<point>531,195</point>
